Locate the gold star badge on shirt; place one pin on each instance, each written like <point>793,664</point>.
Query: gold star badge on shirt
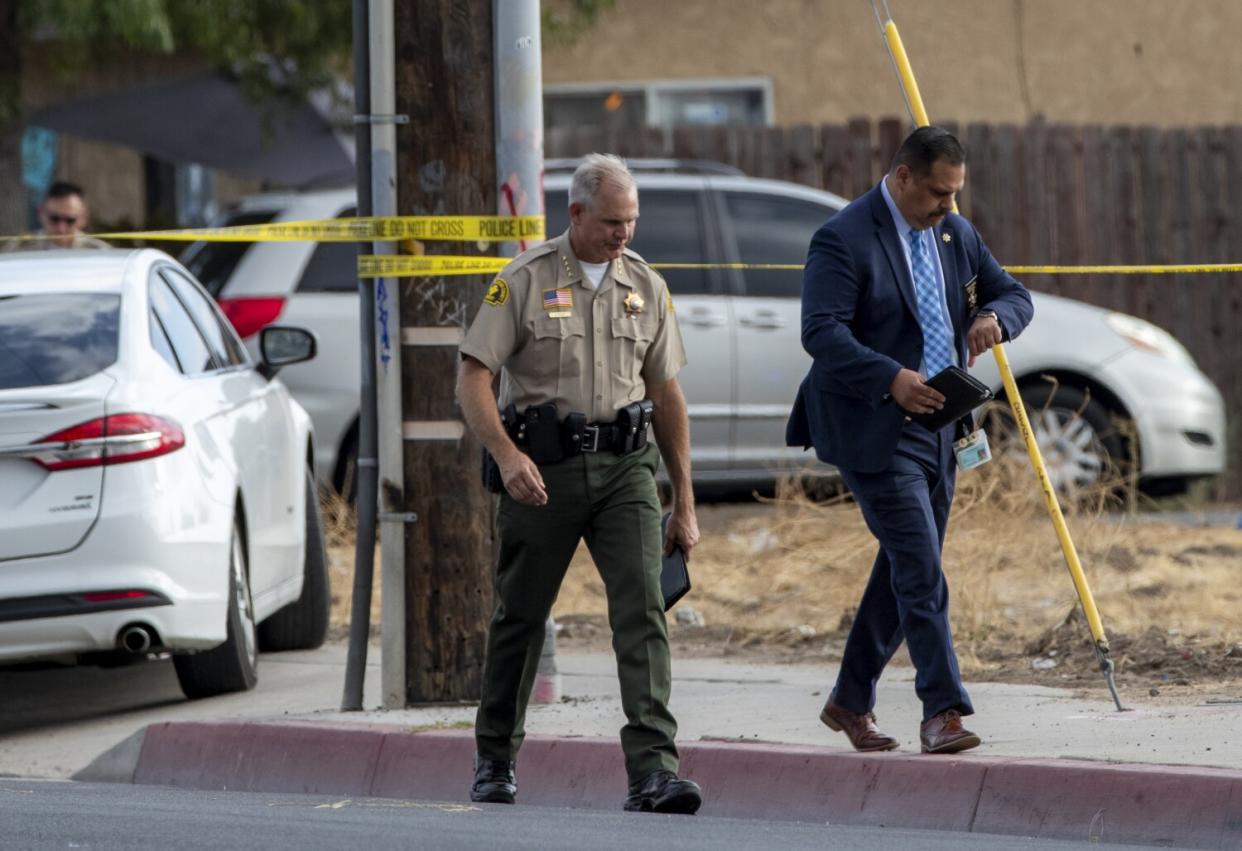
<point>633,305</point>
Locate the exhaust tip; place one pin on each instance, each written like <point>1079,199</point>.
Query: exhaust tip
<point>136,638</point>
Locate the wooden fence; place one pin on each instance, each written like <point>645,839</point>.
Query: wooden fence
<point>1042,194</point>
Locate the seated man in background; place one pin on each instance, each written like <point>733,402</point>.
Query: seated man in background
<point>64,217</point>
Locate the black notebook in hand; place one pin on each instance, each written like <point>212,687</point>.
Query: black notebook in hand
<point>962,394</point>
<point>674,575</point>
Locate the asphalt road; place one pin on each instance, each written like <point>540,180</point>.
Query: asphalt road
<point>46,814</point>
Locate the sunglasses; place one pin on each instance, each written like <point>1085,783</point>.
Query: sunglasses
<point>58,219</point>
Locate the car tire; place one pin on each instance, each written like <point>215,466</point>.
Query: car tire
<point>233,666</point>
<point>1081,445</point>
<point>303,624</point>
<point>345,477</point>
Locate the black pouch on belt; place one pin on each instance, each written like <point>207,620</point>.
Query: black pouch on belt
<point>572,434</point>
<point>543,434</point>
<point>630,429</point>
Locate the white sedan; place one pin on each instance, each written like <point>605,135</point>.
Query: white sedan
<point>155,486</point>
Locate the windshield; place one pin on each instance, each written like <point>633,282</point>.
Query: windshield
<point>56,338</point>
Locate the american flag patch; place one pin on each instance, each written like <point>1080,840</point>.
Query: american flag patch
<point>554,299</point>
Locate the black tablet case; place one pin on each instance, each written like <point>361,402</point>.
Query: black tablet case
<point>674,575</point>
<point>962,394</point>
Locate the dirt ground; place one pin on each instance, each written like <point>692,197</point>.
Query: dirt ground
<point>779,578</point>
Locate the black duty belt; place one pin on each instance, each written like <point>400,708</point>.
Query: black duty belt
<point>547,438</point>
<point>598,437</point>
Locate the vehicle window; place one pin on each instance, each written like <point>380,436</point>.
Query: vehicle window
<point>193,353</point>
<point>56,338</point>
<point>216,329</point>
<point>213,262</point>
<point>771,229</point>
<point>333,267</point>
<point>556,212</point>
<point>159,341</point>
<point>670,230</point>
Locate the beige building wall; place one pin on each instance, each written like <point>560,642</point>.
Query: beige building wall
<point>1161,62</point>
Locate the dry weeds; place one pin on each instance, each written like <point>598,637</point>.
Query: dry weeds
<point>781,577</point>
<point>783,580</point>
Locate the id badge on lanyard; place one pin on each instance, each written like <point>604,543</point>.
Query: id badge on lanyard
<point>972,451</point>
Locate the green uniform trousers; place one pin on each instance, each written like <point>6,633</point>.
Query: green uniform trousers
<point>611,501</point>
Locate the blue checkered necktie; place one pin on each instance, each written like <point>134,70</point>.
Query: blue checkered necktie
<point>937,345</point>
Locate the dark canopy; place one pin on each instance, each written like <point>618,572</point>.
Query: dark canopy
<point>206,118</point>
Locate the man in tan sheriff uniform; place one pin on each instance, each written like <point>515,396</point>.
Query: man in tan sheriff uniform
<point>585,323</point>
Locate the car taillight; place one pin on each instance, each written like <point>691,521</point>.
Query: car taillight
<point>114,439</point>
<point>251,315</point>
<point>115,596</point>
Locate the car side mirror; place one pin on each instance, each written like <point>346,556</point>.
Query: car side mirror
<point>281,345</point>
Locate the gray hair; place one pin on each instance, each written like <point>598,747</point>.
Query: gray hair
<point>593,172</point>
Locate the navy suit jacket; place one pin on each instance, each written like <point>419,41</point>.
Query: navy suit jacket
<point>860,325</point>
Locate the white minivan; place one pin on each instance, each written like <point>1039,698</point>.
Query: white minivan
<point>742,334</point>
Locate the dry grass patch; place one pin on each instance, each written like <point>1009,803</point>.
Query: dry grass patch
<point>780,578</point>
<point>788,574</point>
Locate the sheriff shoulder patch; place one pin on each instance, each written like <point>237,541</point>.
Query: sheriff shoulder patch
<point>498,293</point>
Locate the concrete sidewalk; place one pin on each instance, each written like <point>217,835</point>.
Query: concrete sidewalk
<point>1051,765</point>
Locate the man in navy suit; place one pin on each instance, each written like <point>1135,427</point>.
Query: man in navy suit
<point>896,288</point>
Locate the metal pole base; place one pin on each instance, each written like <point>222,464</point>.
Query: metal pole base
<point>547,678</point>
<point>1106,666</point>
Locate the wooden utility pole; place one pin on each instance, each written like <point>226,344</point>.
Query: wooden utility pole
<point>446,165</point>
<point>12,208</point>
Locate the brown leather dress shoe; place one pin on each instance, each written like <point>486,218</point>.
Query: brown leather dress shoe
<point>860,729</point>
<point>944,733</point>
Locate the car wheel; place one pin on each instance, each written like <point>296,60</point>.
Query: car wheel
<point>1081,446</point>
<point>233,666</point>
<point>303,624</point>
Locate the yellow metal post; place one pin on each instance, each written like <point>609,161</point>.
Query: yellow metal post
<point>914,101</point>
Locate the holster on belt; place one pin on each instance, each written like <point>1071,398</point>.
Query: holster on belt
<point>542,431</point>
<point>492,480</point>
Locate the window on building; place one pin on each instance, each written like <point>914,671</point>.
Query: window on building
<point>661,103</point>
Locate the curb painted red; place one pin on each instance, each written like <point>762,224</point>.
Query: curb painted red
<point>1052,799</point>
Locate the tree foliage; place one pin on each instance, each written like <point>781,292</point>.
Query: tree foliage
<point>273,46</point>
<point>572,19</point>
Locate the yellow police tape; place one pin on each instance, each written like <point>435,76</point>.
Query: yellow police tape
<point>497,229</point>
<point>361,229</point>
<point>1186,269</point>
<point>406,266</point>
<point>426,266</point>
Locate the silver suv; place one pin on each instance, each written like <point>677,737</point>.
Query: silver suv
<point>741,330</point>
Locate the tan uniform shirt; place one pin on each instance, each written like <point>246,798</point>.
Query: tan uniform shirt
<point>80,240</point>
<point>590,350</point>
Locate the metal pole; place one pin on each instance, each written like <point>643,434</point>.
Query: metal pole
<point>387,362</point>
<point>365,501</point>
<point>519,169</point>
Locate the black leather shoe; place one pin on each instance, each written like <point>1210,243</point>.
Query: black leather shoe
<point>494,781</point>
<point>662,791</point>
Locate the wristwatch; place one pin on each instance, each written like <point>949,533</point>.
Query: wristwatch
<point>991,313</point>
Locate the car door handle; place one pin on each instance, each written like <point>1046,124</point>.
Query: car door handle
<point>705,319</point>
<point>764,319</point>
